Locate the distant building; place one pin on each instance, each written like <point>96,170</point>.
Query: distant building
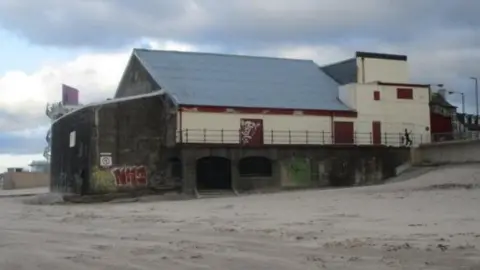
<point>447,124</point>
<point>442,117</point>
<point>69,103</point>
<point>18,178</point>
<point>39,166</point>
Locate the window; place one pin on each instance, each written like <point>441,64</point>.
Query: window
<point>376,95</point>
<point>404,93</point>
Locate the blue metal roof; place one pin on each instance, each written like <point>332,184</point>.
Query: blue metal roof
<point>241,81</point>
<point>344,72</point>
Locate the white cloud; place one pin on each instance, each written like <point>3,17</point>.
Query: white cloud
<point>24,96</point>
<point>20,161</point>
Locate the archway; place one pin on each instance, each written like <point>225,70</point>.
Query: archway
<point>213,173</point>
<point>255,167</point>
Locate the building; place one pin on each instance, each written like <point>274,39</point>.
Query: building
<point>55,110</point>
<point>447,124</point>
<point>180,116</point>
<point>17,178</point>
<point>39,166</point>
<point>442,117</point>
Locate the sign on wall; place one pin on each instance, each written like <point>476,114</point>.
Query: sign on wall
<point>106,160</point>
<point>73,136</point>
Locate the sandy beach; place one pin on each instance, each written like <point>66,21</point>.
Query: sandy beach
<point>429,222</point>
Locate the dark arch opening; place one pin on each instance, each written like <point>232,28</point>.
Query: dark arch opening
<point>255,167</point>
<point>213,173</point>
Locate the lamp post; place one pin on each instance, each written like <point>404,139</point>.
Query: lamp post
<point>476,94</point>
<point>463,99</point>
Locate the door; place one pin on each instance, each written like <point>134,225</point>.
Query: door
<point>343,132</point>
<point>251,132</point>
<point>376,132</point>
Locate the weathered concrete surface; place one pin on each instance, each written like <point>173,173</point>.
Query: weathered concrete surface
<point>25,180</point>
<point>301,166</point>
<point>23,192</point>
<point>450,152</point>
<point>132,134</point>
<point>424,223</point>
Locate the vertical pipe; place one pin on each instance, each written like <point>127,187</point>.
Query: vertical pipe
<point>476,95</point>
<point>363,70</point>
<point>180,123</point>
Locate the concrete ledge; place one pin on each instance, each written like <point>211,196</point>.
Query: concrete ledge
<point>448,143</point>
<point>449,152</point>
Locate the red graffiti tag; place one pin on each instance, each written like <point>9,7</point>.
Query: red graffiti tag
<point>130,176</point>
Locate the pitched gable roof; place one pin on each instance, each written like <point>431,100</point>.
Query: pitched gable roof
<point>206,79</point>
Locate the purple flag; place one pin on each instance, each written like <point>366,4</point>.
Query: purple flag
<point>69,95</point>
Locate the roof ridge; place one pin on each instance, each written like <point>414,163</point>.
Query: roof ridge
<point>225,55</point>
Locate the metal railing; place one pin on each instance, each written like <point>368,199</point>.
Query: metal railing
<point>456,136</point>
<point>296,137</point>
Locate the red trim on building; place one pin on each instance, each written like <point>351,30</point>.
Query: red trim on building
<point>404,93</point>
<point>246,110</point>
<point>404,84</point>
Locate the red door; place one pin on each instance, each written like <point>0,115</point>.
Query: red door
<point>376,132</point>
<point>343,132</point>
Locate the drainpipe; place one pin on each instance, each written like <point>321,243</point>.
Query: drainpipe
<point>180,128</point>
<point>97,120</point>
<point>363,70</point>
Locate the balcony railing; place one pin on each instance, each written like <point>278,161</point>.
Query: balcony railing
<point>306,137</point>
<point>456,136</point>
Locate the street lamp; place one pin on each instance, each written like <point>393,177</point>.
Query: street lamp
<point>463,99</point>
<point>476,93</point>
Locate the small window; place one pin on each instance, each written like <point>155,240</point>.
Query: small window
<point>404,93</point>
<point>376,95</point>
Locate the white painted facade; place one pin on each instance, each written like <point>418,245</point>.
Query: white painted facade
<point>394,114</point>
<point>278,129</point>
<point>374,70</point>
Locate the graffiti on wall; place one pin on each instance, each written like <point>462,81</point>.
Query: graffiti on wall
<point>130,176</point>
<point>102,181</point>
<point>251,131</point>
<point>298,172</point>
<point>108,180</point>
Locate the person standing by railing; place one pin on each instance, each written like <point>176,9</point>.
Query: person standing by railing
<point>408,140</point>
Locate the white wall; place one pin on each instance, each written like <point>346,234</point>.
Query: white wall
<point>382,70</point>
<point>201,127</point>
<point>395,114</point>
<point>348,95</point>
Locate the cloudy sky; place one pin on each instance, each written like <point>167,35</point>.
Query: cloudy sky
<point>86,43</point>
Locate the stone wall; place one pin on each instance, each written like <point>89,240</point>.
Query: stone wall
<point>135,136</point>
<point>302,167</point>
